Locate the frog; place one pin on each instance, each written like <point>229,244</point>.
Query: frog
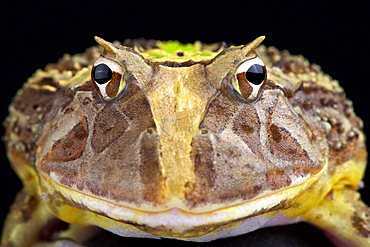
<point>195,142</point>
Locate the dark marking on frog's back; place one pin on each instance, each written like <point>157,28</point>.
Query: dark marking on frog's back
<point>220,172</point>
<point>119,160</point>
<point>240,144</point>
<point>221,109</point>
<point>69,147</point>
<point>201,154</point>
<point>247,125</point>
<point>150,169</point>
<point>109,125</point>
<point>284,145</point>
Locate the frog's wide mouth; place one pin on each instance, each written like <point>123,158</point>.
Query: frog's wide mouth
<point>174,222</point>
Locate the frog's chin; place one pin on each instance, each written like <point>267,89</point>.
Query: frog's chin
<point>180,225</point>
<point>175,222</point>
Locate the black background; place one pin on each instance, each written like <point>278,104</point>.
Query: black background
<point>335,36</point>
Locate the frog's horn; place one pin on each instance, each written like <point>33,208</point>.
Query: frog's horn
<point>132,58</point>
<point>236,53</point>
<point>108,47</point>
<point>123,51</point>
<point>253,45</point>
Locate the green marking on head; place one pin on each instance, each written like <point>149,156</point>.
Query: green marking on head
<point>204,54</point>
<point>174,45</point>
<point>174,50</point>
<point>156,55</point>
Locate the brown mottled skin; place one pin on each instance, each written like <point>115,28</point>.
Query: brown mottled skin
<point>179,136</point>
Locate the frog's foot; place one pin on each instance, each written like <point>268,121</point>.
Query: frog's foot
<point>30,223</point>
<point>344,218</point>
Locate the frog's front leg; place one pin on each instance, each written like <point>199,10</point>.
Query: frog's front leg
<point>344,218</point>
<point>30,223</point>
<point>25,221</point>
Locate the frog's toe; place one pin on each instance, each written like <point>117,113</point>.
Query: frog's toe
<point>344,218</point>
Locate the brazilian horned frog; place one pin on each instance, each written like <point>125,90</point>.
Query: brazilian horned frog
<point>189,141</point>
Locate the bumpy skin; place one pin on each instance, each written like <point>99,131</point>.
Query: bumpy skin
<point>179,152</point>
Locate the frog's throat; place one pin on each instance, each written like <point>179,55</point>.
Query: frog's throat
<point>83,209</point>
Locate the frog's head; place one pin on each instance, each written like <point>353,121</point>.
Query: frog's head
<point>177,140</point>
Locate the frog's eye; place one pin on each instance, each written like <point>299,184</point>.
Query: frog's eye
<point>107,75</point>
<point>249,78</point>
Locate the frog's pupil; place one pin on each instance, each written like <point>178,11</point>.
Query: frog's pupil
<point>102,74</point>
<point>255,74</point>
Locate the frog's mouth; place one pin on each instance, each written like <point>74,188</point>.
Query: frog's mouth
<point>85,209</point>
